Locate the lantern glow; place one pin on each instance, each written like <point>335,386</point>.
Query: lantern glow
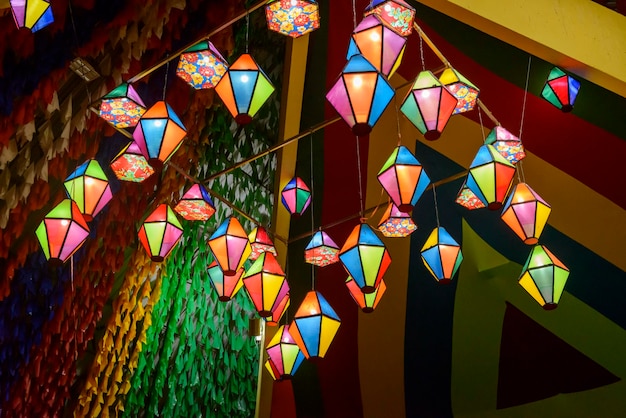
<point>89,187</point>
<point>225,286</point>
<point>160,232</point>
<point>526,213</point>
<point>122,107</point>
<point>284,355</point>
<point>196,204</point>
<point>395,223</point>
<point>397,15</point>
<point>260,242</point>
<point>314,326</point>
<point>544,277</point>
<point>321,250</point>
<point>366,301</point>
<point>292,17</point>
<point>266,284</point>
<point>465,92</point>
<point>441,255</point>
<point>202,66</point>
<point>32,14</point>
<point>296,196</point>
<point>490,177</point>
<point>561,90</point>
<point>230,246</point>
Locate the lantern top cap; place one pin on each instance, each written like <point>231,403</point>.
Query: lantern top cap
<point>556,72</point>
<point>362,234</point>
<point>321,238</point>
<point>450,75</point>
<point>315,304</point>
<point>205,45</point>
<point>425,80</point>
<point>488,154</point>
<point>500,134</point>
<point>198,191</point>
<point>89,168</point>
<point>358,64</point>
<point>164,213</point>
<point>231,226</point>
<point>245,62</point>
<point>541,256</point>
<point>124,90</point>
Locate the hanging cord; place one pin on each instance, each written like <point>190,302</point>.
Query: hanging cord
<point>482,128</point>
<point>422,51</point>
<point>395,102</point>
<point>354,13</point>
<point>358,163</point>
<point>520,170</point>
<point>311,209</point>
<point>436,207</point>
<point>167,70</point>
<point>247,30</point>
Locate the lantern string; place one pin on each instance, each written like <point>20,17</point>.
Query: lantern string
<point>354,13</point>
<point>380,200</point>
<point>521,125</point>
<point>247,30</point>
<point>436,207</point>
<point>395,102</point>
<point>422,50</point>
<point>311,209</point>
<point>167,70</point>
<point>358,164</point>
<point>482,128</point>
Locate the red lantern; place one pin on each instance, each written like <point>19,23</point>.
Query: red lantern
<point>366,301</point>
<point>261,242</point>
<point>266,284</point>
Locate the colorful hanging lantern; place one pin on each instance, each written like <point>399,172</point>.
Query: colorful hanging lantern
<point>244,89</point>
<point>428,105</point>
<point>160,232</point>
<point>196,204</point>
<point>122,107</point>
<point>365,257</point>
<point>159,133</point>
<point>395,223</point>
<point>465,92</point>
<point>526,213</point>
<point>131,165</point>
<point>544,277</point>
<point>506,144</point>
<point>225,286</point>
<point>403,178</point>
<point>314,326</point>
<point>397,15</point>
<point>284,355</point>
<point>278,313</point>
<point>468,199</point>
<point>366,301</point>
<point>381,46</point>
<point>321,250</point>
<point>561,90</point>
<point>230,246</point>
<point>62,232</point>
<point>261,242</point>
<point>266,284</point>
<point>360,95</point>
<point>292,17</point>
<point>202,66</point>
<point>89,187</point>
<point>32,14</point>
<point>490,177</point>
<point>296,196</point>
<point>441,255</point>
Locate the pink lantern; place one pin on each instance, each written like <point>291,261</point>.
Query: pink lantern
<point>160,232</point>
<point>261,242</point>
<point>196,204</point>
<point>230,246</point>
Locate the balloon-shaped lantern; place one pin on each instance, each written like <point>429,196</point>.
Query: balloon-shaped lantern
<point>89,187</point>
<point>284,355</point>
<point>403,178</point>
<point>225,286</point>
<point>196,204</point>
<point>544,277</point>
<point>266,284</point>
<point>160,232</point>
<point>314,326</point>
<point>490,177</point>
<point>230,246</point>
<point>441,255</point>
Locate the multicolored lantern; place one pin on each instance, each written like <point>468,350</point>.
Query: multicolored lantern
<point>202,66</point>
<point>280,310</point>
<point>62,232</point>
<point>159,133</point>
<point>89,187</point>
<point>292,17</point>
<point>131,165</point>
<point>230,246</point>
<point>544,277</point>
<point>196,204</point>
<point>561,90</point>
<point>397,15</point>
<point>296,196</point>
<point>526,213</point>
<point>381,46</point>
<point>465,92</point>
<point>160,232</point>
<point>441,255</point>
<point>261,242</point>
<point>314,326</point>
<point>506,144</point>
<point>468,199</point>
<point>266,284</point>
<point>429,105</point>
<point>365,257</point>
<point>395,223</point>
<point>225,286</point>
<point>366,301</point>
<point>122,107</point>
<point>321,250</point>
<point>284,355</point>
<point>360,95</point>
<point>403,178</point>
<point>244,89</point>
<point>490,177</point>
<point>32,14</point>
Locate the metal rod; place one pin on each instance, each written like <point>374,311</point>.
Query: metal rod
<point>432,46</point>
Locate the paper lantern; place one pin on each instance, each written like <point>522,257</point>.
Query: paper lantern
<point>561,90</point>
<point>526,213</point>
<point>441,255</point>
<point>122,107</point>
<point>314,326</point>
<point>397,15</point>
<point>225,286</point>
<point>544,277</point>
<point>260,242</point>
<point>196,204</point>
<point>244,89</point>
<point>159,133</point>
<point>468,199</point>
<point>507,144</point>
<point>160,232</point>
<point>296,196</point>
<point>131,165</point>
<point>395,223</point>
<point>266,284</point>
<point>202,66</point>
<point>366,301</point>
<point>230,246</point>
<point>321,250</point>
<point>280,310</point>
<point>428,105</point>
<point>490,177</point>
<point>62,232</point>
<point>365,257</point>
<point>89,187</point>
<point>292,17</point>
<point>360,95</point>
<point>284,355</point>
<point>32,14</point>
<point>403,178</point>
<point>381,46</point>
<point>465,92</point>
